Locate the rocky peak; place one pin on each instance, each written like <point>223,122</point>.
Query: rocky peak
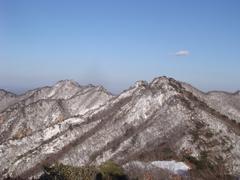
<point>64,89</point>
<point>165,84</point>
<point>141,83</point>
<point>67,83</point>
<point>160,82</point>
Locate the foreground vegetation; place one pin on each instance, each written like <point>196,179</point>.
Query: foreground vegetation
<point>201,170</point>
<point>107,171</point>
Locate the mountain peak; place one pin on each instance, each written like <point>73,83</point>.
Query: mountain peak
<point>67,82</point>
<point>165,83</point>
<point>141,83</point>
<point>159,80</point>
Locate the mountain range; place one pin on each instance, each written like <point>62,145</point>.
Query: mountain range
<point>161,120</point>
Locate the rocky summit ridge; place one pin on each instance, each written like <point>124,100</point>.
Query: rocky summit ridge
<point>86,125</point>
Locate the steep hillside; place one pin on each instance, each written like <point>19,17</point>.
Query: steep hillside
<point>149,122</point>
<point>224,102</point>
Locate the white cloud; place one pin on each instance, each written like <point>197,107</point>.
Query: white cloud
<point>182,53</point>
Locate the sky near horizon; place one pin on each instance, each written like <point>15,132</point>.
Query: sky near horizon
<point>115,43</point>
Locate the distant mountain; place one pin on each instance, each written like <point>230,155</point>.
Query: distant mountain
<point>80,125</point>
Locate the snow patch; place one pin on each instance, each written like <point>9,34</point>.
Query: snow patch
<point>173,166</point>
<point>179,168</point>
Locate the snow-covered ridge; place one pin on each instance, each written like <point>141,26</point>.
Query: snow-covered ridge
<point>64,89</point>
<point>43,107</point>
<point>224,102</point>
<point>80,125</point>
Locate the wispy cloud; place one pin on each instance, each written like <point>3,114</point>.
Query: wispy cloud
<point>182,53</point>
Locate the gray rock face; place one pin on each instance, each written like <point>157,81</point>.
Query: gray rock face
<point>81,125</point>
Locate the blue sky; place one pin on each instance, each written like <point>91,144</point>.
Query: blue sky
<point>115,43</point>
